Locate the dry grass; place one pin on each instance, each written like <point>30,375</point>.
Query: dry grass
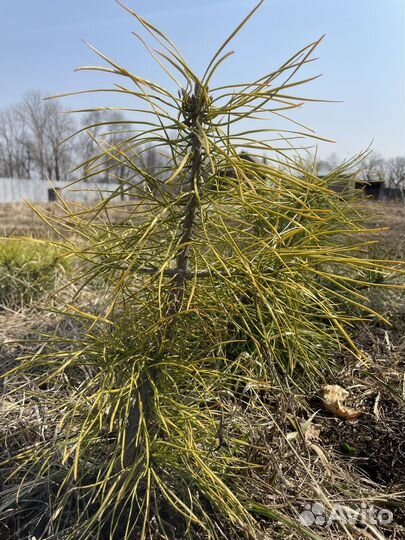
<point>295,467</point>
<point>389,215</point>
<point>326,459</point>
<point>19,220</point>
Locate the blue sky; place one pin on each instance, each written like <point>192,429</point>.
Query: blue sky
<point>361,58</point>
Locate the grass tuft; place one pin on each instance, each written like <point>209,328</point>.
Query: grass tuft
<point>29,269</point>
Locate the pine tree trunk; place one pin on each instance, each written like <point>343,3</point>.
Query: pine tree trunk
<point>144,405</point>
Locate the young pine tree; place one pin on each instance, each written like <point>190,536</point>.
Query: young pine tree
<point>220,277</point>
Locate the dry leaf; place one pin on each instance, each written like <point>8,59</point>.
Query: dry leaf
<point>334,397</point>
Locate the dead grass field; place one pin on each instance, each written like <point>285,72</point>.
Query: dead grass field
<point>19,220</point>
<point>390,216</point>
<point>368,455</point>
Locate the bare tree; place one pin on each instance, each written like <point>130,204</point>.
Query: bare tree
<point>33,110</point>
<point>103,145</point>
<point>47,129</point>
<point>329,164</point>
<point>374,168</point>
<point>31,144</point>
<point>396,172</point>
<point>15,154</point>
<point>62,155</point>
<point>99,145</point>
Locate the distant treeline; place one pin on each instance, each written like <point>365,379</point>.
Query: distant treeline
<point>376,168</point>
<point>31,133</point>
